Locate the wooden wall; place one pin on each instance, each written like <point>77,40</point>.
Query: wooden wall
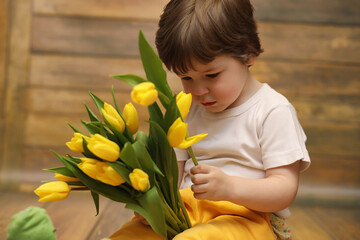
<point>58,50</point>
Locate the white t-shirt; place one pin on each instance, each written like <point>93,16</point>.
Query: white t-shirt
<point>244,141</point>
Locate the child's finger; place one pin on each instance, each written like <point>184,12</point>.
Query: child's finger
<point>199,178</point>
<point>202,168</point>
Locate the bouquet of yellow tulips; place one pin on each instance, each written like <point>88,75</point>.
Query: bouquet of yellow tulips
<point>128,166</point>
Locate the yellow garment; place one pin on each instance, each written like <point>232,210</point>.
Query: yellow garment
<point>211,221</point>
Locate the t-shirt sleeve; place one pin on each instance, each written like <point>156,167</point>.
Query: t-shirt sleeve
<point>282,139</point>
<point>181,154</point>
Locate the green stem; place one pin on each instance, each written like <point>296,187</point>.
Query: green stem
<point>184,211</point>
<point>192,155</point>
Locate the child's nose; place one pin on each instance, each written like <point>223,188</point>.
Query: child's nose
<point>200,89</point>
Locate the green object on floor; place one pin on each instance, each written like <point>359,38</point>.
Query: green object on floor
<point>33,223</point>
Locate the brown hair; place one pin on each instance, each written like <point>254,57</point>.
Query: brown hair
<point>203,29</point>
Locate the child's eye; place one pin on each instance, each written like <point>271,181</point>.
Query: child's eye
<point>186,78</point>
<point>214,75</point>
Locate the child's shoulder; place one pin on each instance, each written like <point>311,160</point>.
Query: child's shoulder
<point>270,99</point>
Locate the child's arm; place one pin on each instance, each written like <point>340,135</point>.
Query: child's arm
<point>273,193</point>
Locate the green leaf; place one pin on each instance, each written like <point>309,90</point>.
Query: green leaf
<point>168,162</point>
<point>95,197</point>
<point>151,208</point>
<point>153,66</point>
<point>172,113</point>
<point>92,127</point>
<point>75,129</point>
<point>131,79</point>
<point>122,170</point>
<point>91,114</point>
<point>155,114</point>
<point>145,160</point>
<point>141,137</point>
<point>61,170</point>
<point>128,156</point>
<point>98,102</point>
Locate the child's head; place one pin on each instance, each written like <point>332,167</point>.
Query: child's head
<point>204,29</point>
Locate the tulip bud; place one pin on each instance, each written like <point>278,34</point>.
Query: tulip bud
<point>144,93</point>
<point>139,180</point>
<point>64,178</point>
<point>103,148</point>
<point>53,191</point>
<point>100,171</point>
<point>177,135</point>
<point>131,118</point>
<point>113,117</point>
<point>76,143</point>
<point>183,102</point>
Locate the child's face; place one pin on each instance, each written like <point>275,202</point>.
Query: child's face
<point>217,85</point>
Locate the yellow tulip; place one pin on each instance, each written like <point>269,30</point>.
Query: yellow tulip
<point>100,171</point>
<point>131,118</point>
<point>177,135</point>
<point>53,191</point>
<point>139,180</point>
<point>183,102</point>
<point>113,117</point>
<point>76,143</point>
<point>144,93</point>
<point>103,148</point>
<point>64,178</point>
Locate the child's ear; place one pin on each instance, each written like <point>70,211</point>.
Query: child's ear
<point>251,61</point>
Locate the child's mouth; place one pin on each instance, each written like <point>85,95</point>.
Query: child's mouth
<point>208,104</point>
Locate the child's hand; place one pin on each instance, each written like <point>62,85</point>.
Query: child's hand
<point>209,183</point>
<point>141,218</point>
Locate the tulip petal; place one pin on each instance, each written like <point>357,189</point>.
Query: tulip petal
<point>131,118</point>
<point>191,140</point>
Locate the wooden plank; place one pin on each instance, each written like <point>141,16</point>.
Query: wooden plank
<point>86,72</point>
<point>304,227</point>
<point>3,46</point>
<point>98,37</point>
<point>341,140</point>
<point>17,77</point>
<point>105,8</point>
<point>12,203</point>
<point>326,110</point>
<point>308,78</point>
<point>280,40</point>
<point>333,12</point>
<point>331,170</point>
<point>310,42</point>
<point>308,11</point>
<point>339,222</point>
<point>74,217</point>
<point>112,218</point>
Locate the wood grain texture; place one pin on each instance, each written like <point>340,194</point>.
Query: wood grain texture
<point>310,42</point>
<point>17,77</point>
<point>3,53</point>
<point>78,72</point>
<point>138,9</point>
<point>99,37</point>
<point>308,11</point>
<point>109,37</point>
